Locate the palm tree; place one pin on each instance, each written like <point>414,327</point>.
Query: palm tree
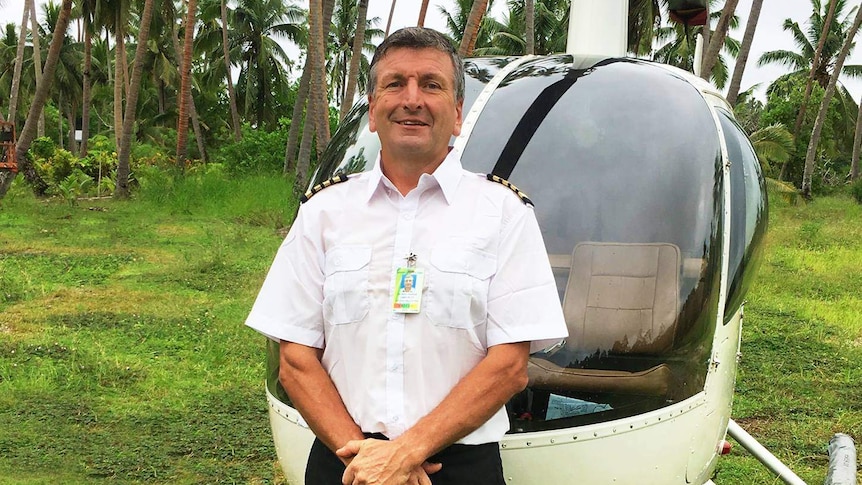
<point>123,167</point>
<point>824,105</point>
<point>423,9</point>
<point>509,36</point>
<point>471,29</point>
<point>234,112</point>
<point>773,144</point>
<point>356,44</point>
<point>745,48</point>
<point>456,23</point>
<point>319,15</point>
<point>805,62</point>
<point>353,35</point>
<point>680,45</point>
<point>39,98</point>
<point>815,64</point>
<point>19,61</point>
<point>88,17</point>
<point>185,84</point>
<point>802,60</point>
<point>298,107</point>
<point>68,80</point>
<point>35,34</point>
<point>389,22</point>
<point>644,20</point>
<point>716,41</point>
<point>257,25</point>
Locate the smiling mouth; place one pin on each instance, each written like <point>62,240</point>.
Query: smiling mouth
<point>411,123</point>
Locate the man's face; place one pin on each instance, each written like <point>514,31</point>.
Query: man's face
<point>413,109</point>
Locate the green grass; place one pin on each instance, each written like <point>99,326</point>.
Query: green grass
<point>800,377</point>
<point>122,351</point>
<point>123,357</point>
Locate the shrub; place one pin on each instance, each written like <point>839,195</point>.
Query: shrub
<point>259,152</point>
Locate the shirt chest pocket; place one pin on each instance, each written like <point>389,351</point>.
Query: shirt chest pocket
<point>458,280</point>
<point>345,284</point>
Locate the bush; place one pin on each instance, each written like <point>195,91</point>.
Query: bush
<point>856,190</point>
<point>259,152</point>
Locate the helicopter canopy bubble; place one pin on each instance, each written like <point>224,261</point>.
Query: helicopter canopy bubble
<point>623,161</point>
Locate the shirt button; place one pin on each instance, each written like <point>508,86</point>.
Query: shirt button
<point>408,216</point>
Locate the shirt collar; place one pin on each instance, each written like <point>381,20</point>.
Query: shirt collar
<point>447,176</point>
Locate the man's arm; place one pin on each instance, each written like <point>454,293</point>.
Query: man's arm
<point>312,392</point>
<point>480,394</point>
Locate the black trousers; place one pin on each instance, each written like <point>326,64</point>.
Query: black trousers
<point>462,465</point>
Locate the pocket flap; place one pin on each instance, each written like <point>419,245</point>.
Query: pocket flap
<point>346,258</point>
<point>474,262</point>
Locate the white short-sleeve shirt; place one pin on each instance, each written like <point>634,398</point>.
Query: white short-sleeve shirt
<point>487,282</point>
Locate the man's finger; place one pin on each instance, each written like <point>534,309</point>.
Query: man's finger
<point>350,449</point>
<point>348,476</point>
<point>432,468</point>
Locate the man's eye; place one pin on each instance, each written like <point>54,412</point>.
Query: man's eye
<point>432,86</point>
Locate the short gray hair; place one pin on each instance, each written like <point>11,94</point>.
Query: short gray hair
<point>419,38</point>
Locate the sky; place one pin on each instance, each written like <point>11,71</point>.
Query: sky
<point>769,35</point>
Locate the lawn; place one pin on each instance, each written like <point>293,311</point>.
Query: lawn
<point>123,357</point>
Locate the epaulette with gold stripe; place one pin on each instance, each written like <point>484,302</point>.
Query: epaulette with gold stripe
<point>326,183</point>
<point>507,184</point>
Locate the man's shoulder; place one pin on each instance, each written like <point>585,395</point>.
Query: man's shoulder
<point>500,188</point>
<point>318,188</point>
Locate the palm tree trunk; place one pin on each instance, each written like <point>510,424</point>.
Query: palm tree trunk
<point>389,22</point>
<point>471,30</point>
<point>815,66</point>
<point>315,12</point>
<point>530,18</point>
<point>824,106</point>
<point>123,168</point>
<point>234,112</point>
<point>185,86</point>
<point>318,108</point>
<point>118,82</point>
<point>321,120</point>
<point>19,62</point>
<point>37,59</point>
<point>298,107</point>
<point>39,98</point>
<point>355,58</point>
<point>717,39</point>
<point>86,91</point>
<point>857,139</point>
<point>423,10</point>
<point>744,50</point>
<point>190,106</point>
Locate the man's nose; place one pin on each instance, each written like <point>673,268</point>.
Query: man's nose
<point>412,96</point>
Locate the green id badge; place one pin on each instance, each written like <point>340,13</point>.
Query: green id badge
<point>407,286</point>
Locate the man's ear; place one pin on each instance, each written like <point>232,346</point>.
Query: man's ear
<point>459,108</point>
<point>372,124</point>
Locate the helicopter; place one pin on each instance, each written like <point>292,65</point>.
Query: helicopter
<point>653,209</point>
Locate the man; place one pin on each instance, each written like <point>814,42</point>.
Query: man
<point>399,393</point>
